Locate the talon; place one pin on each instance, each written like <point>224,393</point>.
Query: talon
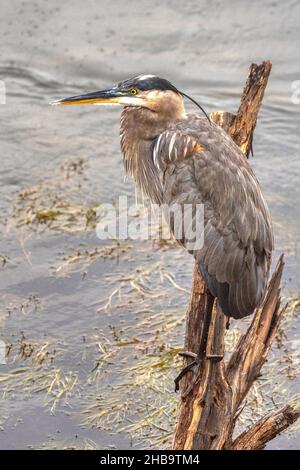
<point>188,354</point>
<point>192,367</point>
<point>194,370</point>
<point>182,373</point>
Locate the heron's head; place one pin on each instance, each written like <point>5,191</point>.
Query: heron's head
<point>144,91</point>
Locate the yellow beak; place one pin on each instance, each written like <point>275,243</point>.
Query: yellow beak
<point>111,96</point>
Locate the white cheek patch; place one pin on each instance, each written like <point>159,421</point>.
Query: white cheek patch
<point>153,95</point>
<point>123,101</point>
<point>131,101</point>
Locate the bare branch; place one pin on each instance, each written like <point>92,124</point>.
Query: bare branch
<point>266,429</point>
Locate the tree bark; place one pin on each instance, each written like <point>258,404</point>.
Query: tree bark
<point>210,405</point>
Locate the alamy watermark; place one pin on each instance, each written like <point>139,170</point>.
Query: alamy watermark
<point>122,221</point>
<point>2,352</point>
<point>295,92</point>
<point>2,92</point>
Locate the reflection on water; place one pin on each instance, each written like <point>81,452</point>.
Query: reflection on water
<point>94,329</point>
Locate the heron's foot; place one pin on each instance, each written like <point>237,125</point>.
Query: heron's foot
<point>192,367</point>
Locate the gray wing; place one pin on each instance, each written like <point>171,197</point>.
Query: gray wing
<point>200,164</point>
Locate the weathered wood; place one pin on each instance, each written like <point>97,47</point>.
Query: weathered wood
<point>266,429</point>
<point>242,127</point>
<point>209,405</point>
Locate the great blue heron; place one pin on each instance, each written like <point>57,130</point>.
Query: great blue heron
<point>182,158</point>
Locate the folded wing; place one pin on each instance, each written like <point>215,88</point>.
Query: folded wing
<point>200,164</point>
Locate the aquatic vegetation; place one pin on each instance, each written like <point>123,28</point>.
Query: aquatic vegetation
<point>56,384</point>
<point>39,377</point>
<point>55,203</point>
<point>37,208</point>
<point>126,385</point>
<point>37,374</point>
<point>3,260</point>
<point>82,258</point>
<point>20,305</point>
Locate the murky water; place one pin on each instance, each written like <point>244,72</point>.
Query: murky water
<point>94,327</point>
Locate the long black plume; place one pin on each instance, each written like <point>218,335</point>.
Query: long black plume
<point>197,104</point>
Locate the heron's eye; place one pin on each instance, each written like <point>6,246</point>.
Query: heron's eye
<point>133,91</point>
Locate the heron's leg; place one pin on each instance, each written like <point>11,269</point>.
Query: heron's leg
<point>197,359</point>
<point>195,365</point>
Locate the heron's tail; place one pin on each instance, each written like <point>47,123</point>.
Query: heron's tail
<point>239,299</point>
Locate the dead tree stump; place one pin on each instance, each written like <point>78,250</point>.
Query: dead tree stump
<point>208,413</point>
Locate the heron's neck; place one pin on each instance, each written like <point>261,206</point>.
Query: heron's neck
<point>138,131</point>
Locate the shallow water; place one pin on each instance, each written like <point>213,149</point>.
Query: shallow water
<point>50,50</point>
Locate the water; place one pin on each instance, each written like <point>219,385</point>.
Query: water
<point>50,304</point>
